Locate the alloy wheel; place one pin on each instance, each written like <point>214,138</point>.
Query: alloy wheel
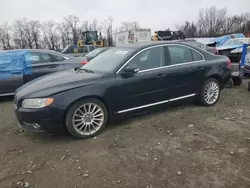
<point>211,92</point>
<point>88,119</point>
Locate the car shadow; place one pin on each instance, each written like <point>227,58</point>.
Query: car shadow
<point>6,99</point>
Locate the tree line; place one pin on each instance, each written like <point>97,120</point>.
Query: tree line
<point>33,34</point>
<point>24,33</point>
<point>214,22</point>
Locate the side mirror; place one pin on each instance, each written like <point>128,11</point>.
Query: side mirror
<point>130,70</point>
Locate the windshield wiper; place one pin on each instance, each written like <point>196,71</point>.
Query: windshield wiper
<point>86,70</point>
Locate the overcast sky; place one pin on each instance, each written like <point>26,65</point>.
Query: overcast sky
<point>157,14</point>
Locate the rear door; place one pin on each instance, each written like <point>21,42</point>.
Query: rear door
<point>185,72</point>
<point>42,64</point>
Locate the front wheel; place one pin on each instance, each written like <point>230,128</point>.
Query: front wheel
<point>86,118</point>
<point>210,92</point>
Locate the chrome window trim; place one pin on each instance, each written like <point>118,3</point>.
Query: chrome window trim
<point>154,104</point>
<point>163,45</point>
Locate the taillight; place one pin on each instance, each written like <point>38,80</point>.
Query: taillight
<point>215,51</point>
<point>229,63</point>
<point>84,62</point>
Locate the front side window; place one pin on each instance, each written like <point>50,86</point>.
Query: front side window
<point>180,54</point>
<point>32,57</point>
<point>56,58</point>
<point>149,59</point>
<point>45,58</point>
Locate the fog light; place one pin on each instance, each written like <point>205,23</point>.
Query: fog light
<point>35,125</point>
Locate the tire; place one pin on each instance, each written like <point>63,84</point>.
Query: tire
<point>204,92</point>
<point>249,86</point>
<point>91,126</point>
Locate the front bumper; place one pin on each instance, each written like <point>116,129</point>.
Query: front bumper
<point>40,120</point>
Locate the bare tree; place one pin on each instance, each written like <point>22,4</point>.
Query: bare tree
<point>20,34</point>
<point>35,29</point>
<point>94,25</point>
<point>188,28</point>
<point>211,21</point>
<point>5,37</point>
<point>72,23</point>
<point>65,35</point>
<point>110,31</point>
<point>50,35</point>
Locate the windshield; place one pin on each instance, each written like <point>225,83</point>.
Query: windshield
<point>108,60</point>
<point>94,52</point>
<point>234,42</point>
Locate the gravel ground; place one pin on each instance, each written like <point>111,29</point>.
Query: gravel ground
<point>186,146</point>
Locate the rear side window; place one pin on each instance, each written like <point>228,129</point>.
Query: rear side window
<point>149,59</point>
<point>180,54</point>
<point>196,56</point>
<point>56,58</point>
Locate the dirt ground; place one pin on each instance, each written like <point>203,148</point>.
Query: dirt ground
<point>182,147</point>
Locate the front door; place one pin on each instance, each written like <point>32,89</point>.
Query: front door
<point>145,88</point>
<point>11,71</point>
<point>42,64</point>
<point>185,73</point>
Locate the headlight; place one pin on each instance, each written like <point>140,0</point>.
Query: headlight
<point>37,103</point>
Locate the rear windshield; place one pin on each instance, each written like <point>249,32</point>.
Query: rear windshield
<point>109,60</point>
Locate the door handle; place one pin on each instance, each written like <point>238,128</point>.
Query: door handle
<point>52,66</point>
<point>161,75</point>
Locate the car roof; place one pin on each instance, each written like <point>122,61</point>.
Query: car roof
<point>38,50</point>
<point>141,45</point>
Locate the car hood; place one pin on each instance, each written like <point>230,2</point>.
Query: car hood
<point>56,83</point>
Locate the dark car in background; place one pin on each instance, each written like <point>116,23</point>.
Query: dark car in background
<point>247,65</point>
<point>94,53</point>
<point>201,45</point>
<point>18,67</point>
<point>78,51</point>
<point>121,81</point>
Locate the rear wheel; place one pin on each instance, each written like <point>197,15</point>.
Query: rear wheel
<point>86,118</point>
<point>210,92</point>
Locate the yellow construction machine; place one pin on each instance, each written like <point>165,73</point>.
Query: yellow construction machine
<point>91,38</point>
